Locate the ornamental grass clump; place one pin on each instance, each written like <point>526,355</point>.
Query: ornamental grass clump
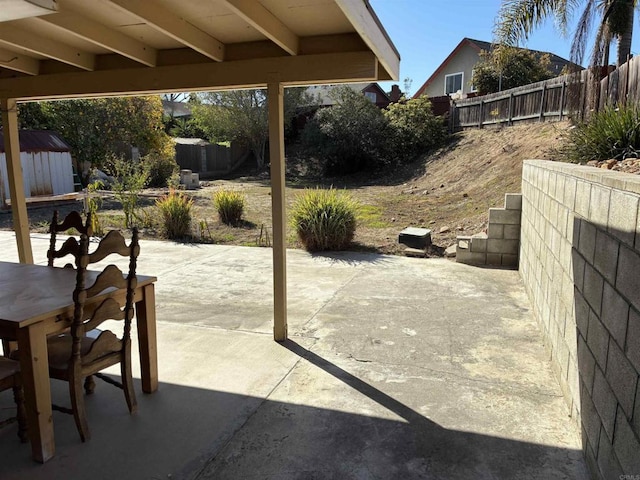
<point>324,219</point>
<point>609,133</point>
<point>175,208</point>
<point>230,206</point>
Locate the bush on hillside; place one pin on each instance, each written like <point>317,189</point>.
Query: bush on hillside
<point>348,137</point>
<point>324,219</point>
<point>609,133</point>
<point>415,129</point>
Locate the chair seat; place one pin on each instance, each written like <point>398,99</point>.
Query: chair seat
<point>92,349</point>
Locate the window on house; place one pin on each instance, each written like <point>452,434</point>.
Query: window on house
<point>371,96</point>
<point>453,83</point>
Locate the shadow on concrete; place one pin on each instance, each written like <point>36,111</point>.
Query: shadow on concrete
<point>190,433</point>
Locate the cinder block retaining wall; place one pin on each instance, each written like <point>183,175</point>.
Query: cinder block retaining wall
<point>580,264</point>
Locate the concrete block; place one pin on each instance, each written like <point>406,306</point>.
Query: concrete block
<point>563,214</point>
<point>415,237</point>
<point>494,259</point>
<point>511,232</point>
<point>636,412</point>
<point>590,457</point>
<point>478,244</point>
<point>598,340</point>
<point>593,287</point>
<point>599,205</point>
<point>470,258</point>
<point>608,464</point>
<point>605,256</point>
<point>586,365</point>
<point>577,273</point>
<point>591,423</point>
<point>622,378</point>
<point>605,402</point>
<point>506,217</point>
<point>560,188</point>
<point>509,260</point>
<point>628,275</point>
<point>513,201</point>
<point>503,246</point>
<point>626,446</point>
<point>615,313</point>
<point>583,198</point>
<point>623,216</point>
<point>570,185</point>
<point>587,242</point>
<point>573,229</point>
<point>633,340</point>
<point>582,314</point>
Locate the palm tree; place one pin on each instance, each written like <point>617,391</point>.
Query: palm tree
<point>518,18</point>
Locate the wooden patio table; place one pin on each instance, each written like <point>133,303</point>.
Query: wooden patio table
<point>36,301</point>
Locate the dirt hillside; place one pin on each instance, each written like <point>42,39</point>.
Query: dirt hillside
<point>454,189</point>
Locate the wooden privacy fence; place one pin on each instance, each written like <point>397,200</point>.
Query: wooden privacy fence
<point>550,100</point>
<point>210,160</point>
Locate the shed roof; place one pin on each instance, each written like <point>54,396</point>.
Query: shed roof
<point>38,141</point>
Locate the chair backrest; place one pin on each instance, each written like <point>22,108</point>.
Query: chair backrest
<point>110,308</point>
<point>71,221</point>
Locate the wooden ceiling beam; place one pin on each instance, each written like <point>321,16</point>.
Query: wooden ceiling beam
<point>169,23</point>
<point>367,25</point>
<point>252,12</point>
<point>18,38</point>
<point>102,36</point>
<point>19,63</point>
<point>289,70</point>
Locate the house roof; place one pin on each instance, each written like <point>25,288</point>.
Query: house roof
<point>91,48</point>
<point>556,62</point>
<point>38,141</point>
<point>176,109</point>
<point>323,92</point>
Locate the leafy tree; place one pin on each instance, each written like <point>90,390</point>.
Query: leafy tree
<point>415,129</point>
<point>98,129</point>
<point>242,116</point>
<point>507,67</point>
<point>518,18</point>
<point>350,136</point>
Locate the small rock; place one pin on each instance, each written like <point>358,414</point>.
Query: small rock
<point>460,228</point>
<point>465,195</point>
<point>444,230</point>
<point>442,185</point>
<point>450,251</point>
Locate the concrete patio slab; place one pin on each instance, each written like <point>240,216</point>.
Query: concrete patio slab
<point>396,368</point>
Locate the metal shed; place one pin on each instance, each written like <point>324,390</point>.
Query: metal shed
<point>46,163</point>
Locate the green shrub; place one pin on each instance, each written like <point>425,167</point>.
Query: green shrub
<point>161,165</point>
<point>415,129</point>
<point>350,136</point>
<point>230,206</point>
<point>176,214</point>
<point>609,133</point>
<point>130,179</point>
<point>324,219</point>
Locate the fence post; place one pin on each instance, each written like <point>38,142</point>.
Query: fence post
<point>481,115</point>
<point>510,110</point>
<point>544,92</point>
<point>562,94</point>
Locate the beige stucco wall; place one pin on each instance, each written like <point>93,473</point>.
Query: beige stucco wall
<point>463,61</point>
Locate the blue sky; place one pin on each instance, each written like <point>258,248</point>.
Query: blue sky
<point>426,31</point>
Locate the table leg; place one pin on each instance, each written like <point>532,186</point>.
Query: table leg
<point>147,340</point>
<point>34,365</point>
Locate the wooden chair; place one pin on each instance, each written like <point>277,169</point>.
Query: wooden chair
<point>10,379</point>
<point>75,356</point>
<point>71,221</point>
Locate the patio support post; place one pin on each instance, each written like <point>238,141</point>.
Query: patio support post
<point>9,109</point>
<point>275,94</point>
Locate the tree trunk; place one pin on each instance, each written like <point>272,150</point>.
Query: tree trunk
<point>624,40</point>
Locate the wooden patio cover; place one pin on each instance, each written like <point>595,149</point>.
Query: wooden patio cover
<point>94,48</point>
